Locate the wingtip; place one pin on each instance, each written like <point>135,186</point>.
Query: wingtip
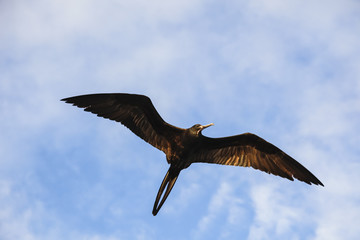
<point>65,100</point>
<point>320,183</point>
<point>72,100</point>
<point>315,182</point>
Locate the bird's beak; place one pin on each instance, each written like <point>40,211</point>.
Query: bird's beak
<point>205,126</point>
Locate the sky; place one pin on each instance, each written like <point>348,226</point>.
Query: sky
<point>288,71</point>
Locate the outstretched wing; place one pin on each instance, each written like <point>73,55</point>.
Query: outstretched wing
<point>249,150</point>
<point>134,111</point>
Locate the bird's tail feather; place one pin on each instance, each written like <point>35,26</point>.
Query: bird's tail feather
<point>168,182</point>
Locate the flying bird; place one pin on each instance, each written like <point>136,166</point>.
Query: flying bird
<point>183,147</point>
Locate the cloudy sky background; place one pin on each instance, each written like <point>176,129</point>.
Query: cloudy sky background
<point>288,71</point>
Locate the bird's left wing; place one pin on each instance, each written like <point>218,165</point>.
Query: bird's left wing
<point>249,150</point>
<point>134,111</point>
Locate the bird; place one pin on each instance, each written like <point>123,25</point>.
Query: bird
<point>183,147</point>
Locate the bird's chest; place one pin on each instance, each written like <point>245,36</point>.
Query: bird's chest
<point>181,154</point>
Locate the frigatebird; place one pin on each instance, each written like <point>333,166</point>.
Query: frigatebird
<point>186,146</point>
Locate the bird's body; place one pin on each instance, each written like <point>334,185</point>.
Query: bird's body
<point>186,146</point>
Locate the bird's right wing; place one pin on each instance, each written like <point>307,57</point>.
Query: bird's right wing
<point>249,150</point>
<point>134,111</point>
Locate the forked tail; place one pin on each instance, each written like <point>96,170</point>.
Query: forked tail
<point>168,182</point>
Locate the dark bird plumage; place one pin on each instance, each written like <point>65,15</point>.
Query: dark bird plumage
<point>185,146</point>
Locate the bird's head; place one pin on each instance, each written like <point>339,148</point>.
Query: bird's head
<point>197,128</point>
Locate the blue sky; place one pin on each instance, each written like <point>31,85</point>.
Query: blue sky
<point>288,71</point>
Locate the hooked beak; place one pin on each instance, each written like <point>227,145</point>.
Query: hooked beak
<point>205,126</point>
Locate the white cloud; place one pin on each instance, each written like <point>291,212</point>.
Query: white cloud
<point>333,117</point>
<point>182,200</point>
<point>278,213</point>
<point>58,22</point>
<point>215,205</point>
<point>20,216</point>
<point>224,201</point>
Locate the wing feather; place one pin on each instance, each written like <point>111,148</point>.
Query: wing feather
<point>134,111</point>
<point>249,150</point>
